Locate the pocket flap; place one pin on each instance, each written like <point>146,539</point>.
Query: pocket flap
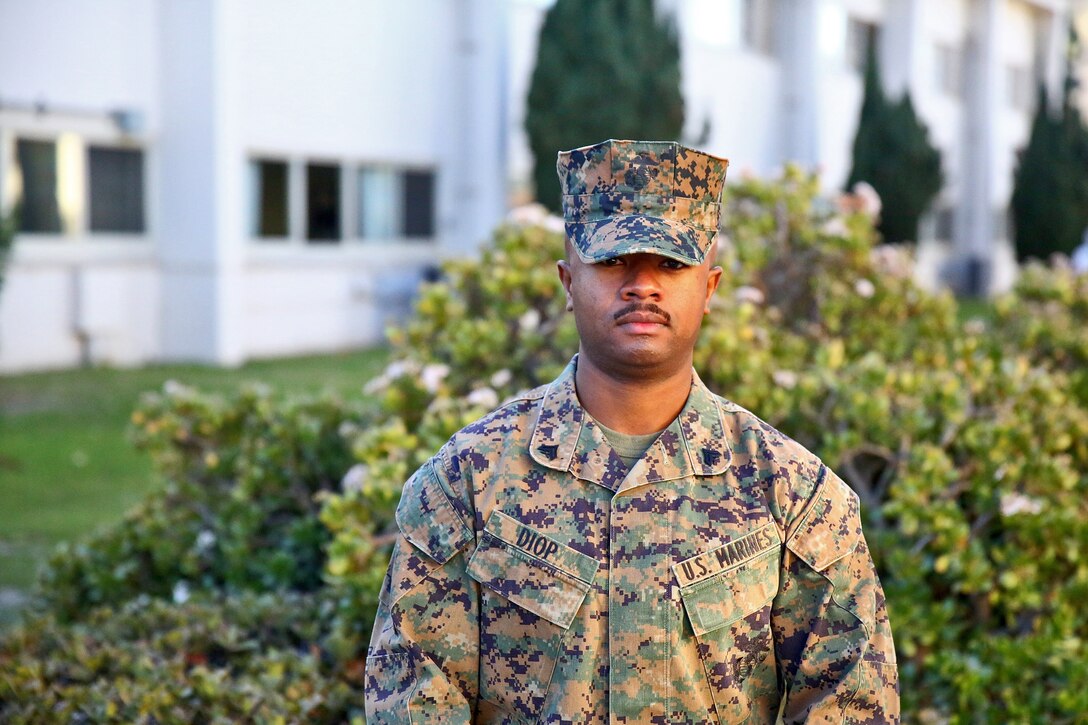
<point>723,598</point>
<point>427,517</point>
<point>533,570</point>
<point>831,527</point>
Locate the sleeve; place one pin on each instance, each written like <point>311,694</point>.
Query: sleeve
<point>833,641</point>
<point>422,662</point>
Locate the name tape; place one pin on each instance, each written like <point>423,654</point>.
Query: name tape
<point>727,556</point>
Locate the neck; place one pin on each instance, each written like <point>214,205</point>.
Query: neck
<point>632,405</point>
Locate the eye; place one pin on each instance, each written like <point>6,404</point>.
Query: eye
<point>673,264</point>
<point>614,262</point>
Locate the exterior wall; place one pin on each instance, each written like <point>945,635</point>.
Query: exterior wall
<point>207,86</point>
<point>732,89</point>
<point>524,20</point>
<point>212,85</point>
<point>78,296</point>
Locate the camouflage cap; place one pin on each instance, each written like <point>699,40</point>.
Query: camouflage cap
<point>623,197</point>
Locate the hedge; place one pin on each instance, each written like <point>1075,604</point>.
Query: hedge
<point>967,441</point>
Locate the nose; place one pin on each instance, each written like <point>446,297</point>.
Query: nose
<point>642,280</point>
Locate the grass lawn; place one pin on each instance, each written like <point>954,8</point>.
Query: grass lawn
<point>975,308</point>
<point>66,468</point>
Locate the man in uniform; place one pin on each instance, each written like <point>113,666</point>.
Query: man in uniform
<point>622,545</point>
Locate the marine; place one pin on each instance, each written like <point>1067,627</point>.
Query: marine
<point>623,545</point>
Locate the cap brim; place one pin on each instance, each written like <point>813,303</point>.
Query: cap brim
<point>635,233</point>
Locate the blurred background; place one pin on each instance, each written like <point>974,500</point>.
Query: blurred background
<point>224,180</point>
<point>198,194</point>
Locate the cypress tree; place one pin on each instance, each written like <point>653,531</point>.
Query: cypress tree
<point>893,154</point>
<point>1050,187</point>
<point>604,69</point>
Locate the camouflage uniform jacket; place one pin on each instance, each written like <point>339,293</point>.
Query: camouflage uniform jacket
<point>536,580</point>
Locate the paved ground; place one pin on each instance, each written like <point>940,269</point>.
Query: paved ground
<point>17,560</point>
<point>11,603</point>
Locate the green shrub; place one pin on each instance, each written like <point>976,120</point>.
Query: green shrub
<point>238,511</point>
<point>254,658</point>
<point>1045,317</point>
<point>967,442</point>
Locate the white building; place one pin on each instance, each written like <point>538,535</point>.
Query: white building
<point>223,179</point>
<point>781,80</point>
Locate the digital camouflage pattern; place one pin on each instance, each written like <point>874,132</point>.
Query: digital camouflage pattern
<point>623,197</point>
<point>535,579</point>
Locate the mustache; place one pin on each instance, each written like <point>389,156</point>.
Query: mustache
<point>643,307</point>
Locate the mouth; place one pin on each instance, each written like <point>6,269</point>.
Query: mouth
<point>642,314</point>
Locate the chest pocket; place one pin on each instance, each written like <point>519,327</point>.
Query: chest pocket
<point>727,594</point>
<point>533,586</point>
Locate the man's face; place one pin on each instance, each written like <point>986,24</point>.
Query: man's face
<point>638,315</point>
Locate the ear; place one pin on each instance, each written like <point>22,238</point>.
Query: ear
<point>565,277</point>
<point>713,279</point>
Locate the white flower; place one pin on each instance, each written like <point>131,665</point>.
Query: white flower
<point>432,376</point>
<point>483,397</point>
<point>376,385</point>
<point>1017,503</point>
<point>181,592</point>
<point>205,540</point>
<point>864,288</point>
<point>527,214</point>
<point>893,259</point>
<point>752,295</point>
<point>398,368</point>
<point>501,378</point>
<point>173,387</point>
<point>554,224</point>
<point>784,378</point>
<point>354,480</point>
<point>535,215</point>
<point>975,326</point>
<point>529,321</point>
<point>835,227</point>
<point>869,200</point>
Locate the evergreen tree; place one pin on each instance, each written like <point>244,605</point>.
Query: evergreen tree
<point>893,154</point>
<point>604,69</point>
<point>1050,187</point>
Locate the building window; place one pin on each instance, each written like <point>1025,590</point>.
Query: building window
<point>1019,88</point>
<point>862,37</point>
<point>268,206</point>
<point>950,70</point>
<point>945,227</point>
<point>418,204</point>
<point>396,203</point>
<point>38,208</point>
<point>322,202</point>
<point>381,202</point>
<point>116,189</point>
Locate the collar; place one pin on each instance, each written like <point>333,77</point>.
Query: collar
<point>694,444</point>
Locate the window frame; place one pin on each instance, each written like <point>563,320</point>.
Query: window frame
<point>89,191</point>
<point>351,226</point>
<point>75,223</point>
<point>253,220</point>
<point>950,69</point>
